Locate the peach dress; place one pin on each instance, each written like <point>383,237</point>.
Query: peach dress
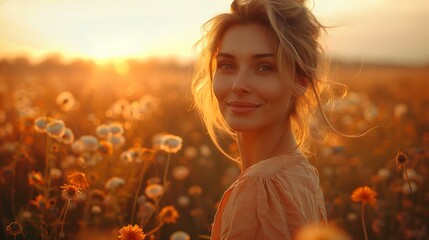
<point>272,199</point>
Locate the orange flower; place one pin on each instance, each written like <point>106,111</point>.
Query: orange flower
<point>78,179</point>
<point>168,214</point>
<point>40,202</point>
<point>70,191</point>
<point>130,232</point>
<point>35,178</point>
<point>365,195</point>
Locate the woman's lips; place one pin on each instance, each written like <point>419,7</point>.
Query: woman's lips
<point>242,107</point>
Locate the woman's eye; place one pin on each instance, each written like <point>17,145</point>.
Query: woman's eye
<point>225,66</point>
<point>265,68</point>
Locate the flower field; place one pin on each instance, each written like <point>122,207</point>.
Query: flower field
<point>115,151</point>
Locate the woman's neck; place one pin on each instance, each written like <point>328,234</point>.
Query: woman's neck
<point>260,145</point>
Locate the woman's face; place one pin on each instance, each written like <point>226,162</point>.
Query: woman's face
<point>247,83</point>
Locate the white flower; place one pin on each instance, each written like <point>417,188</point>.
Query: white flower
<point>66,101</point>
<point>154,191</point>
<point>68,136</point>
<point>114,183</point>
<point>180,235</point>
<point>171,143</point>
<point>56,128</point>
<point>102,131</point>
<point>40,124</point>
<point>180,172</point>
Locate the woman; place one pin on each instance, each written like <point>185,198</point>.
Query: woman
<point>257,82</point>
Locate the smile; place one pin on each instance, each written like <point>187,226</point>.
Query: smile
<point>242,107</point>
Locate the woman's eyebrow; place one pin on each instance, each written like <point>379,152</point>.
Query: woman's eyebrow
<point>259,55</point>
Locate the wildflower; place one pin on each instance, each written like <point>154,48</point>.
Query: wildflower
<point>205,151</point>
<point>97,195</point>
<point>89,143</point>
<point>35,178</point>
<point>195,190</point>
<point>131,232</point>
<point>66,101</point>
<point>116,128</point>
<point>191,152</point>
<point>102,131</point>
<point>365,195</point>
<point>14,228</point>
<point>117,141</point>
<point>401,159</point>
<point>410,187</point>
<point>55,173</point>
<point>383,173</point>
<point>171,143</point>
<point>56,128</point>
<point>114,182</point>
<point>180,172</point>
<point>180,235</point>
<point>147,154</point>
<point>183,201</point>
<point>95,209</point>
<point>70,192</point>
<point>154,191</point>
<point>105,147</point>
<point>78,179</point>
<point>168,214</point>
<point>40,202</point>
<point>68,136</point>
<point>40,124</point>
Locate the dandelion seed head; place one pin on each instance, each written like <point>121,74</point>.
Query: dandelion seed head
<point>383,173</point>
<point>40,124</point>
<point>171,143</point>
<point>180,235</point>
<point>114,183</point>
<point>154,191</point>
<point>14,228</point>
<point>103,131</point>
<point>116,128</point>
<point>56,128</point>
<point>89,143</point>
<point>205,151</point>
<point>117,141</point>
<point>68,136</point>
<point>365,195</point>
<point>97,195</point>
<point>131,232</point>
<point>168,214</point>
<point>191,152</point>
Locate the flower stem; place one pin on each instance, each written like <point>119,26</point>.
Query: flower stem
<point>145,166</point>
<point>155,229</point>
<point>363,221</point>
<point>408,180</point>
<point>164,181</point>
<point>64,218</point>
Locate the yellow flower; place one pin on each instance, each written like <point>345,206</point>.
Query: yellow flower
<point>130,232</point>
<point>14,228</point>
<point>168,214</point>
<point>365,195</point>
<point>70,192</point>
<point>78,179</point>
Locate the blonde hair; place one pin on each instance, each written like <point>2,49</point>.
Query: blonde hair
<point>298,54</point>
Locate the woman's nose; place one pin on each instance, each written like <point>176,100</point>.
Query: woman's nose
<point>241,86</point>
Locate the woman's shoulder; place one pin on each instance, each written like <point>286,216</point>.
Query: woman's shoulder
<point>285,164</point>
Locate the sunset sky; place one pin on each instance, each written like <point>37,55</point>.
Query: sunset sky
<point>393,31</point>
